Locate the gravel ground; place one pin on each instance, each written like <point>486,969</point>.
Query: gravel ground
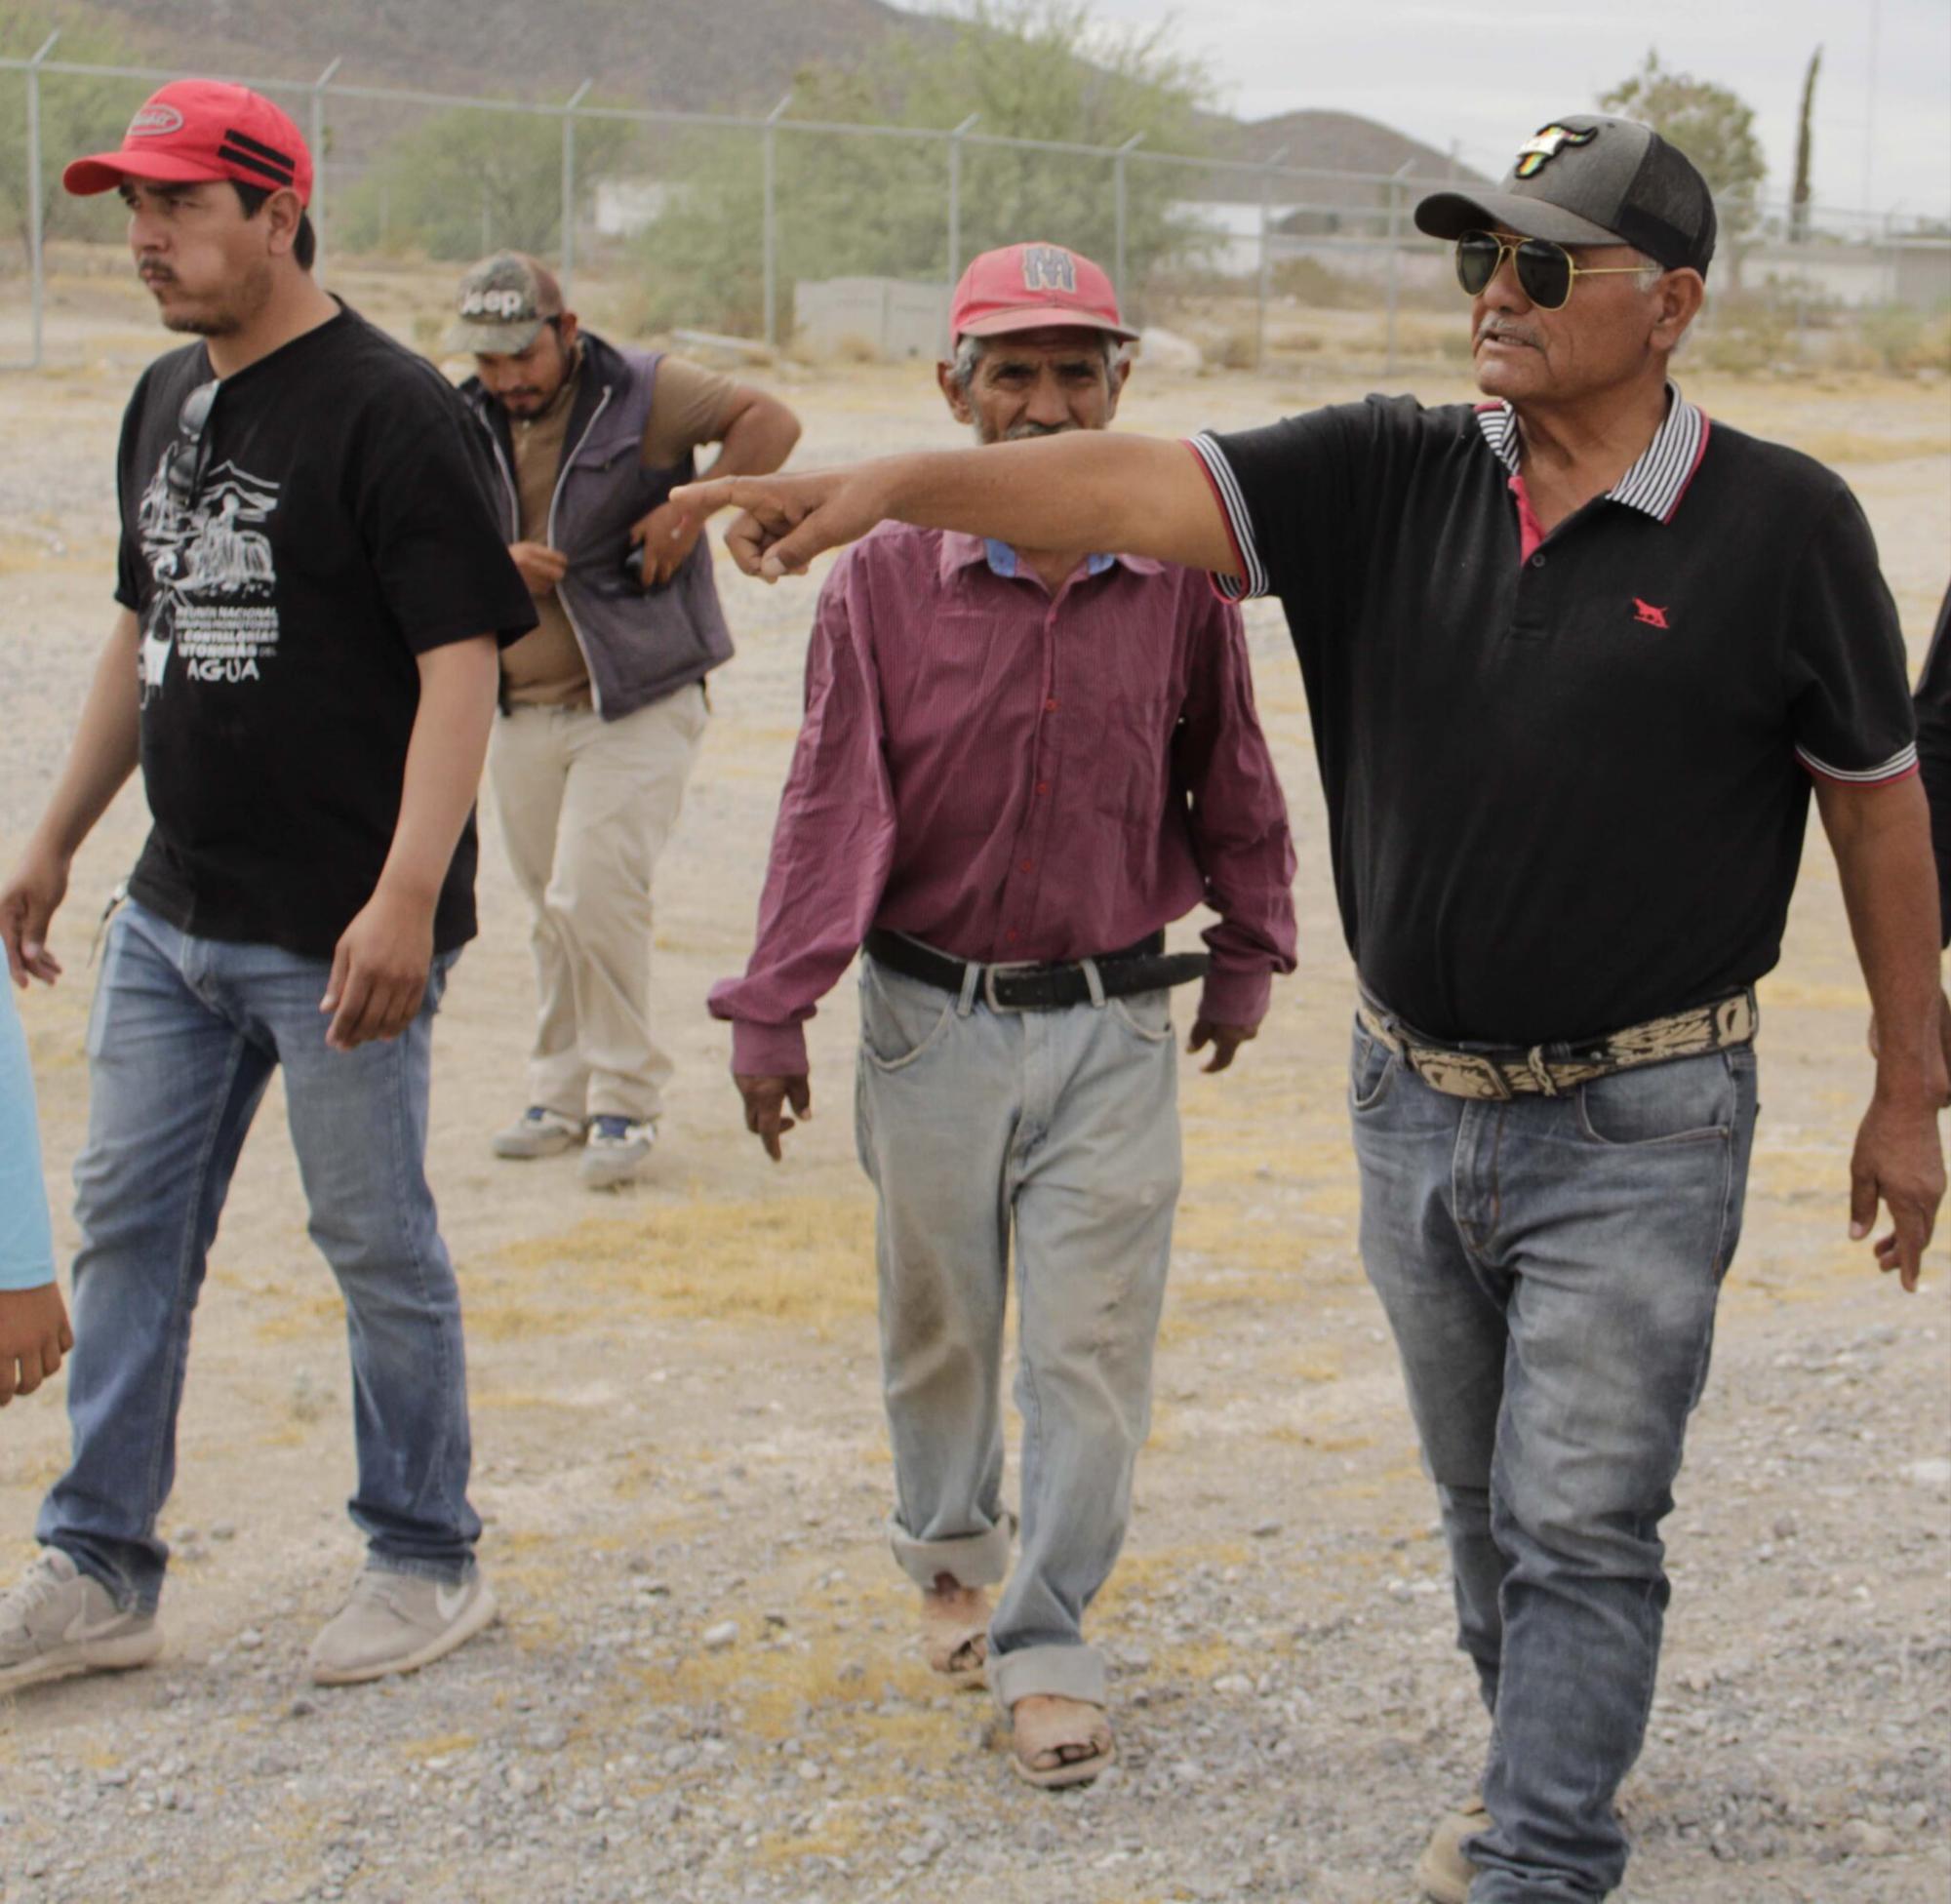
<point>702,1688</point>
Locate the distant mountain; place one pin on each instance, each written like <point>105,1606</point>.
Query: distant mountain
<point>690,55</point>
<point>698,56</point>
<point>1337,142</point>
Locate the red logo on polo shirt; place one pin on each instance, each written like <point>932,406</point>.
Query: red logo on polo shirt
<point>1646,611</point>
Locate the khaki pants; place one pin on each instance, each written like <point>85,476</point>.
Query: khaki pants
<point>586,805</point>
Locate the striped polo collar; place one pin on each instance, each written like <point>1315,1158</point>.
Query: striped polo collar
<point>1656,483</point>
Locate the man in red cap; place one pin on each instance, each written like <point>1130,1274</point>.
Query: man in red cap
<point>1018,765</point>
<point>312,586</point>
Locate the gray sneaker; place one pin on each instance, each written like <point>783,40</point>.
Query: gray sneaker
<point>59,1621</point>
<point>397,1624</point>
<point>617,1152</point>
<point>539,1133</point>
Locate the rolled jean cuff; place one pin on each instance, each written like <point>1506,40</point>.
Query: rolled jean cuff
<point>1062,1672</point>
<point>449,1574</point>
<point>970,1559</point>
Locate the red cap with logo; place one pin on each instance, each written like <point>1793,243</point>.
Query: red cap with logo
<point>1034,288</point>
<point>195,129</point>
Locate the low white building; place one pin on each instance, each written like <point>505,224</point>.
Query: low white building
<point>890,318</point>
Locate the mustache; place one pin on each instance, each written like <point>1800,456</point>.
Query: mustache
<point>1498,326</point>
<point>1025,431</point>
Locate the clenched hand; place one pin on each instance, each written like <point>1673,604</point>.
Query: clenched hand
<point>666,536</point>
<point>378,971</point>
<point>1899,1162</point>
<point>766,1101</point>
<point>34,1335</point>
<point>1225,1041</point>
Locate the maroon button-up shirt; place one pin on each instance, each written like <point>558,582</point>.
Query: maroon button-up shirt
<point>1013,776</point>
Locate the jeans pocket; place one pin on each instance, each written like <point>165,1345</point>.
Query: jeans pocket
<point>1372,1070</point>
<point>438,974</point>
<point>1145,1014</point>
<point>901,1018</point>
<point>1685,1101</point>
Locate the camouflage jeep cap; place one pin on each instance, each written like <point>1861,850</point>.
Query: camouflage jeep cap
<point>504,302</point>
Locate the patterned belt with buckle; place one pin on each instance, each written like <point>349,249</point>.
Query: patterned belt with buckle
<point>1547,1070</point>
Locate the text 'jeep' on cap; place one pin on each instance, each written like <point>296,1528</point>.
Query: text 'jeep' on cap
<point>1586,180</point>
<point>194,130</point>
<point>504,302</point>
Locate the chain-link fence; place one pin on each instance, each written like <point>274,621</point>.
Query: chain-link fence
<point>844,237</point>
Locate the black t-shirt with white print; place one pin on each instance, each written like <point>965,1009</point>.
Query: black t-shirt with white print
<point>1568,775</point>
<point>341,526</point>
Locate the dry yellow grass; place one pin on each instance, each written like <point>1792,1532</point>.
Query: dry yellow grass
<point>803,1262</point>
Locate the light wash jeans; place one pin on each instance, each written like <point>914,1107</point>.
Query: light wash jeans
<point>1063,1126</point>
<point>182,1042</point>
<point>1550,1267</point>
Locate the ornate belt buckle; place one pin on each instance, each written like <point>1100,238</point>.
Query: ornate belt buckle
<point>1462,1074</point>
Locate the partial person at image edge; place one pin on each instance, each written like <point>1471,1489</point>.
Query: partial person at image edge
<point>34,1332</point>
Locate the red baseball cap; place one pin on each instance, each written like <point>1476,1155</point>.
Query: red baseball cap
<point>195,129</point>
<point>1031,288</point>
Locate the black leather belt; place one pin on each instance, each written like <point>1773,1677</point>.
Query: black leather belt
<point>1146,966</point>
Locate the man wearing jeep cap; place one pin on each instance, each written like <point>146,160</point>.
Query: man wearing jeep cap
<point>603,706</point>
<point>1573,657</point>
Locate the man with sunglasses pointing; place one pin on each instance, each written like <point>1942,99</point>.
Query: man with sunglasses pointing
<point>311,590</point>
<point>1573,657</point>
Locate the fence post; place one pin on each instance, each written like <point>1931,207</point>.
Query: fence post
<point>1123,206</point>
<point>770,235</point>
<point>1266,258</point>
<point>1395,256</point>
<point>955,137</point>
<point>318,134</point>
<point>576,99</point>
<point>37,270</point>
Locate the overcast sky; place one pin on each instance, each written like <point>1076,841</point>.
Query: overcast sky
<point>1488,75</point>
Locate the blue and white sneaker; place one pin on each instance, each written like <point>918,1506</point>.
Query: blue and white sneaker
<point>617,1151</point>
<point>539,1133</point>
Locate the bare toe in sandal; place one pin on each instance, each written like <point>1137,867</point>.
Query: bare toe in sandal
<point>1059,1741</point>
<point>955,1632</point>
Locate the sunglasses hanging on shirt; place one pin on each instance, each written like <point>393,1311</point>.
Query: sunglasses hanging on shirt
<point>189,454</point>
<point>1546,272</point>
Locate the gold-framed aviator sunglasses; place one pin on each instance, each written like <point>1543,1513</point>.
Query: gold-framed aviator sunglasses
<point>1546,271</point>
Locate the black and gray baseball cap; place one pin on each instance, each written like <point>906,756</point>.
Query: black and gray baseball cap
<point>504,302</point>
<point>1586,180</point>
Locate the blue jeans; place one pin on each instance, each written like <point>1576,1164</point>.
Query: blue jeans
<point>181,1043</point>
<point>1550,1268</point>
<point>1059,1131</point>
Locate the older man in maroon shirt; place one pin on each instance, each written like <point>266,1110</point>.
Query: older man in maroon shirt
<point>1016,767</point>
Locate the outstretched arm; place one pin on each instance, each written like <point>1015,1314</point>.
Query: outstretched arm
<point>1088,490</point>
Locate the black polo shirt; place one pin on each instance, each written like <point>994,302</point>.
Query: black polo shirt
<point>1933,752</point>
<point>1567,775</point>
